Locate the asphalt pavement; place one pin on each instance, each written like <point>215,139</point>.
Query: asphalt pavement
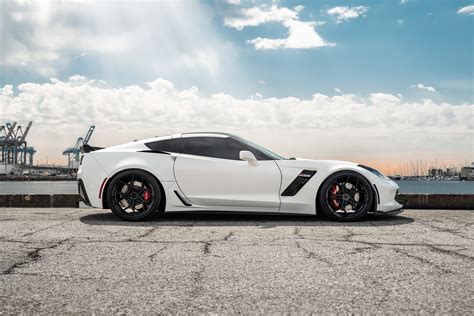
<point>88,261</point>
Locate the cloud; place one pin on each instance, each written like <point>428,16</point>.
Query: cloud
<point>82,98</point>
<point>421,86</point>
<point>158,107</point>
<point>344,14</point>
<point>467,10</point>
<point>338,90</point>
<point>234,1</point>
<point>48,38</point>
<point>301,34</point>
<point>259,15</point>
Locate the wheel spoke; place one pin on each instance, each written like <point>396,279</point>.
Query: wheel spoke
<point>132,206</point>
<point>351,193</point>
<point>133,195</point>
<point>343,205</point>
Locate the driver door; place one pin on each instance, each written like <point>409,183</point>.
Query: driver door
<point>210,173</point>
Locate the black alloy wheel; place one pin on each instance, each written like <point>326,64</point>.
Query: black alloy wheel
<point>346,196</point>
<point>134,195</point>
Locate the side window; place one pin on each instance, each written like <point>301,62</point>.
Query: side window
<point>168,145</point>
<point>215,147</point>
<point>218,147</point>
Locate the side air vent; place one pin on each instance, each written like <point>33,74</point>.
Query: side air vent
<point>299,182</point>
<point>181,199</point>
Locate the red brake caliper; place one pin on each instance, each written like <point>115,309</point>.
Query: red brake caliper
<point>146,195</point>
<point>333,191</point>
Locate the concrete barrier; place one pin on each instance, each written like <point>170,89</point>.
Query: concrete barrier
<point>436,201</point>
<point>39,200</point>
<point>409,201</point>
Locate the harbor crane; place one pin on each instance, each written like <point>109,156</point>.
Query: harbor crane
<point>74,152</point>
<point>13,146</point>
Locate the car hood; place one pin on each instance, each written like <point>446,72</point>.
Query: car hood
<point>315,163</point>
<point>324,167</point>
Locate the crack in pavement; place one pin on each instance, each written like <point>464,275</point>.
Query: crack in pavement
<point>435,248</point>
<point>348,237</point>
<point>61,276</point>
<point>432,247</point>
<point>309,254</point>
<point>422,260</point>
<point>48,227</point>
<point>206,247</point>
<point>153,255</point>
<point>31,256</point>
<point>452,231</point>
<point>207,244</point>
<point>198,276</point>
<point>147,233</point>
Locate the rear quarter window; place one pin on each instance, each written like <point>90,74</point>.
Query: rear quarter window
<point>173,145</point>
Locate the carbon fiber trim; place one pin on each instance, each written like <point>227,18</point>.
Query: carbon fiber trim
<point>82,192</point>
<point>299,182</point>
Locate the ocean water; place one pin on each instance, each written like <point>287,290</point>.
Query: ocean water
<point>38,187</point>
<point>70,187</point>
<point>446,187</point>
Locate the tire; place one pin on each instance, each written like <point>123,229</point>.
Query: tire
<point>134,195</point>
<point>345,196</point>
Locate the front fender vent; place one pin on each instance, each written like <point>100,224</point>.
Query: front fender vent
<point>299,182</point>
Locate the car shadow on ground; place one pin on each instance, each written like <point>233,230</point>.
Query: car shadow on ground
<point>242,219</point>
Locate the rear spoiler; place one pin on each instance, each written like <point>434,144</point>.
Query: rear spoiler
<point>87,149</point>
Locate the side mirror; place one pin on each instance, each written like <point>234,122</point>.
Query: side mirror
<point>248,156</point>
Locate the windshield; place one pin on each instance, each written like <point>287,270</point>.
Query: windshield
<point>260,148</point>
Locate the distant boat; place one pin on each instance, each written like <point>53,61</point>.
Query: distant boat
<point>396,177</point>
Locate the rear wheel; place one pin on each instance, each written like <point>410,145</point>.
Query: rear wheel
<point>134,195</point>
<point>346,196</point>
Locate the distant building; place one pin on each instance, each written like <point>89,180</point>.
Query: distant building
<point>6,169</point>
<point>467,173</point>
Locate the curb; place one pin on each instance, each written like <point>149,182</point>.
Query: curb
<point>409,201</point>
<point>39,200</point>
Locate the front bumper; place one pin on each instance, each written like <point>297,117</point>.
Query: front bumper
<point>387,191</point>
<point>393,212</point>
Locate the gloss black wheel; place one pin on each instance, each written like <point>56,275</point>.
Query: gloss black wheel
<point>346,196</point>
<point>134,195</point>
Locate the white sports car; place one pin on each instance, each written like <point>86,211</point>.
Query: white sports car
<point>223,172</point>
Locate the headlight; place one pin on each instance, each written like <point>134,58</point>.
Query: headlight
<point>374,171</point>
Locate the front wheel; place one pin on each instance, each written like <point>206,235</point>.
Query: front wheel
<point>346,196</point>
<point>134,195</point>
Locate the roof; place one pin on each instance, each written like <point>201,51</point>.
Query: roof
<point>208,134</point>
